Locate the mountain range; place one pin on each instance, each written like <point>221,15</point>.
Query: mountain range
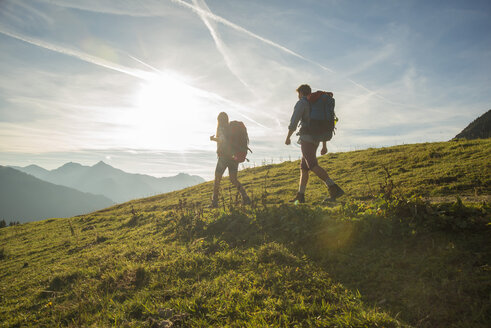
<point>24,198</point>
<point>115,184</point>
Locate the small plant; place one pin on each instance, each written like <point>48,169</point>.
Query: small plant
<point>99,239</point>
<point>264,194</point>
<point>368,183</point>
<point>140,277</point>
<point>135,218</point>
<point>71,228</point>
<point>387,188</point>
<point>223,199</point>
<point>230,199</point>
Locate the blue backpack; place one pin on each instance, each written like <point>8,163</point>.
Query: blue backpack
<point>322,116</point>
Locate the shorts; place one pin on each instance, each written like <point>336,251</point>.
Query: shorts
<point>309,155</point>
<point>224,163</point>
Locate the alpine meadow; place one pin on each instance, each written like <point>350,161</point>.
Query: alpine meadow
<point>407,247</point>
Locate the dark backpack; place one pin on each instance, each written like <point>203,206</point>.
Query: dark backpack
<point>322,116</point>
<point>238,141</point>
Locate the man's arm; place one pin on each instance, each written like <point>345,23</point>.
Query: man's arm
<point>296,116</point>
<point>324,148</point>
<point>288,141</point>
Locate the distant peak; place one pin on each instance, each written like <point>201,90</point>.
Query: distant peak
<point>71,164</point>
<point>33,166</point>
<point>101,164</point>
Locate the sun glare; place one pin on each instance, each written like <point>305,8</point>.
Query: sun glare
<point>164,93</point>
<point>168,114</point>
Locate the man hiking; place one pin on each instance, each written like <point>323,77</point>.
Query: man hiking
<point>309,142</point>
<point>228,156</point>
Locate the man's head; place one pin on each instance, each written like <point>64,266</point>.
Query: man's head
<point>304,90</point>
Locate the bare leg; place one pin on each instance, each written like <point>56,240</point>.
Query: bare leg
<point>320,172</point>
<point>304,179</point>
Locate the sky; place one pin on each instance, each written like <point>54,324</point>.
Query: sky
<point>139,84</point>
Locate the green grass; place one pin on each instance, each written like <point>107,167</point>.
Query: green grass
<point>385,256</point>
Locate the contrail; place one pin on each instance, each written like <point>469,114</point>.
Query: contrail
<point>203,13</point>
<point>37,12</point>
<point>236,27</point>
<point>77,54</point>
<point>219,43</point>
<point>144,64</point>
<point>80,5</point>
<point>208,95</point>
<point>143,75</point>
<point>197,10</point>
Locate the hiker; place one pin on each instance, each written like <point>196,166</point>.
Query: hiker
<point>227,158</point>
<point>309,142</point>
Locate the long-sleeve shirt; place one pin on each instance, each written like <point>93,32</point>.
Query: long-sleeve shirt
<point>301,114</point>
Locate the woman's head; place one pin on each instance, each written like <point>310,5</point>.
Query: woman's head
<point>222,118</point>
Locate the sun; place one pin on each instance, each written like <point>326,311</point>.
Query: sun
<point>163,92</point>
<point>168,113</point>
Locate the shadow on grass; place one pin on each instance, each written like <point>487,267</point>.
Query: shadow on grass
<point>423,263</point>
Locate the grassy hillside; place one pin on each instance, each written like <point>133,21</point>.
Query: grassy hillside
<point>402,249</point>
<point>479,128</point>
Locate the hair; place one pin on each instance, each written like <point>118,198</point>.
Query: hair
<point>222,120</point>
<point>304,89</point>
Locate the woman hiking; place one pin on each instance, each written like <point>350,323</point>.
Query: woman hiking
<point>225,160</point>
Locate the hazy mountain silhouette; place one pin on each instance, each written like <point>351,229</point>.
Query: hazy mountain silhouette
<point>34,170</point>
<point>103,179</point>
<point>480,128</point>
<point>24,198</point>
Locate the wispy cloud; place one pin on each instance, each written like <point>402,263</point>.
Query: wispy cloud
<point>207,13</point>
<point>203,11</point>
<point>152,10</point>
<point>143,75</point>
<point>222,48</point>
<point>122,7</point>
<point>33,13</point>
<point>219,19</point>
<point>371,59</point>
<point>75,53</point>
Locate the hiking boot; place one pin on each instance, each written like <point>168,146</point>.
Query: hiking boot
<point>335,192</point>
<point>299,197</point>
